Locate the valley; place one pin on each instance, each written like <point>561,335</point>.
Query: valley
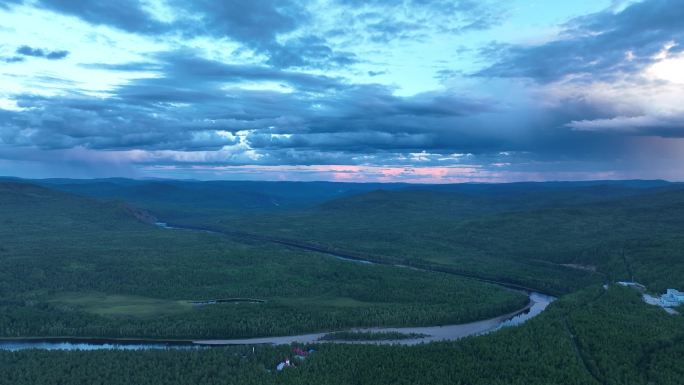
<point>94,279</point>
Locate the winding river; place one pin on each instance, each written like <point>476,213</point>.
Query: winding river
<point>538,302</point>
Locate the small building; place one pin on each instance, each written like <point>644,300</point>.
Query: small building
<point>665,302</point>
<point>668,301</point>
<point>676,294</point>
<point>673,297</point>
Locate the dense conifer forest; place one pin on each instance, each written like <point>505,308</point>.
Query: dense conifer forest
<point>78,262</point>
<point>71,266</point>
<point>592,337</point>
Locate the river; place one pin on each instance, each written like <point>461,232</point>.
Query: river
<point>538,303</point>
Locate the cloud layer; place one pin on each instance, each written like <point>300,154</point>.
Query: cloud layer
<point>295,87</point>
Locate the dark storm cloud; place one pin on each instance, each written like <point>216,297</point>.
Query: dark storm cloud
<point>190,99</point>
<point>42,53</point>
<point>185,64</point>
<point>79,121</point>
<point>370,119</point>
<point>323,120</point>
<point>192,104</point>
<point>208,79</point>
<point>600,44</point>
<point>344,125</point>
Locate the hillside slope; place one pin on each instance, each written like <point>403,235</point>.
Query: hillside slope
<point>546,238</point>
<point>72,266</point>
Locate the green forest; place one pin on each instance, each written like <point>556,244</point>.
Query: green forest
<point>80,260</point>
<point>591,337</point>
<point>71,266</point>
<point>553,241</point>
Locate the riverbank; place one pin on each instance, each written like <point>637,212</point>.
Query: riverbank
<point>538,303</point>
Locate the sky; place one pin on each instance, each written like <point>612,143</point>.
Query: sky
<point>420,91</point>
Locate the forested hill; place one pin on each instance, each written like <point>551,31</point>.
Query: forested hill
<point>534,234</point>
<point>75,266</point>
<point>469,199</point>
<point>555,236</point>
<point>33,208</point>
<point>192,198</point>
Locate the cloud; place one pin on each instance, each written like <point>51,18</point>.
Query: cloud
<point>285,31</point>
<point>597,45</point>
<point>380,22</point>
<point>309,51</point>
<point>127,15</point>
<point>197,111</point>
<point>256,24</point>
<point>601,91</point>
<point>612,73</point>
<point>313,115</point>
<point>13,59</point>
<point>41,53</point>
<point>7,3</point>
<point>643,124</point>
